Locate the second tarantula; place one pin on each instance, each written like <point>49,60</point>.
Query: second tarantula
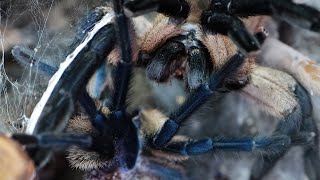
<point>108,137</point>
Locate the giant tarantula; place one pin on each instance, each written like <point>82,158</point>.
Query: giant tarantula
<point>210,53</point>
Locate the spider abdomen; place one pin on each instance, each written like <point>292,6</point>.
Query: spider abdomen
<point>273,90</point>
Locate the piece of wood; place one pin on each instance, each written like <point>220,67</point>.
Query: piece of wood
<point>14,162</point>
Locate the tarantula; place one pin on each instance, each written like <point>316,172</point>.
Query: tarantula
<point>108,138</point>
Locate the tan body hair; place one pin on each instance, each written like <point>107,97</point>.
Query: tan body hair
<point>272,91</point>
<point>80,158</point>
<point>162,30</point>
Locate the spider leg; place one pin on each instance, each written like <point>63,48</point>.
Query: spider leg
<point>222,17</point>
<point>196,99</point>
<point>99,46</point>
<point>233,27</point>
<point>265,145</point>
<point>40,146</point>
<point>302,130</point>
<point>26,58</point>
<point>311,152</point>
<point>118,125</point>
<point>55,108</point>
<point>175,8</point>
<point>85,25</point>
<point>287,10</point>
<point>124,68</point>
<point>109,128</point>
<point>52,141</point>
<point>94,50</point>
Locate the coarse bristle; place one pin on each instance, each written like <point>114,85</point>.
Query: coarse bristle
<point>162,30</point>
<point>85,160</point>
<point>220,48</point>
<point>80,158</point>
<point>152,121</point>
<point>268,90</point>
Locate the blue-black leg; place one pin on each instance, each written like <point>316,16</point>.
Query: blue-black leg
<point>115,131</point>
<point>173,8</point>
<point>287,10</point>
<point>272,144</point>
<point>124,67</point>
<point>222,17</point>
<point>311,150</point>
<point>296,14</point>
<point>85,25</point>
<point>118,125</point>
<point>196,99</point>
<point>53,141</point>
<point>231,26</point>
<point>25,57</point>
<point>74,72</point>
<point>75,75</point>
<point>300,127</point>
